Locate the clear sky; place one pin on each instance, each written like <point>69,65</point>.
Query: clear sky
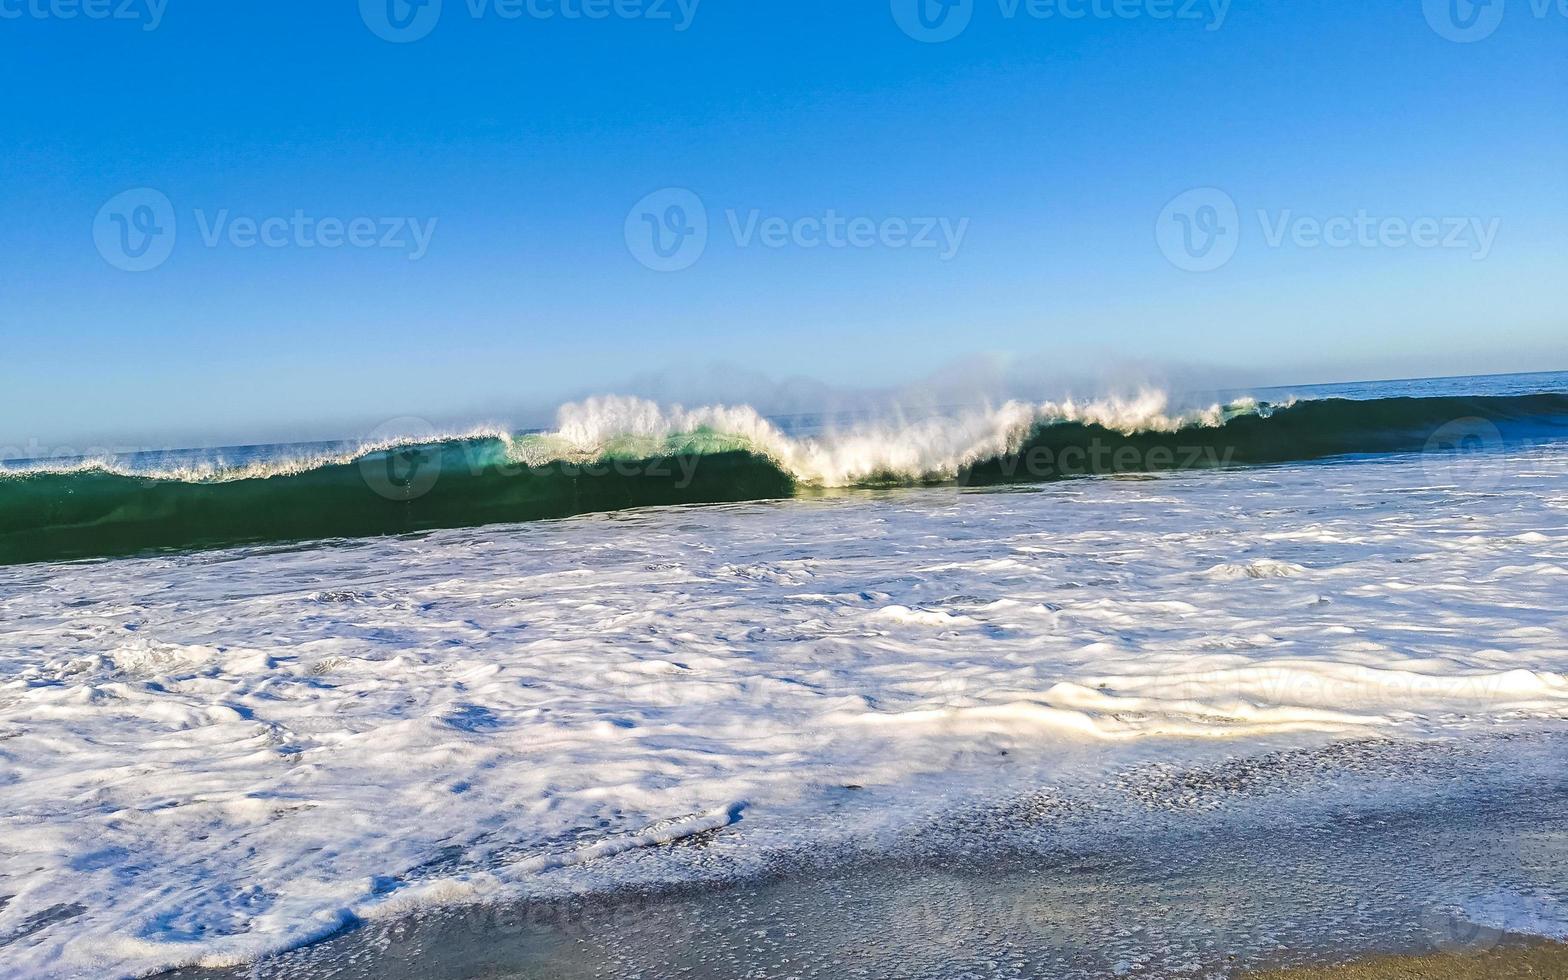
<point>1388,198</point>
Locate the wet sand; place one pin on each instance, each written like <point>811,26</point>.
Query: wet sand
<point>1518,959</point>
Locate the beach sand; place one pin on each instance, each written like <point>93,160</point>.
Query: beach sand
<point>1533,959</point>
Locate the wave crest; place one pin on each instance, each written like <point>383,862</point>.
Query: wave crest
<point>933,448</point>
<point>609,454</point>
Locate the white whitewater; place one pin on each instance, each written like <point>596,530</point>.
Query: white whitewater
<point>935,447</point>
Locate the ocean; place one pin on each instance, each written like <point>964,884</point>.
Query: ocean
<point>615,454</point>
<point>252,698</point>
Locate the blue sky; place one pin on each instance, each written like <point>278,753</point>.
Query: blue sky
<point>522,145</point>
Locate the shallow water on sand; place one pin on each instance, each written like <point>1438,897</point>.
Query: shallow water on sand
<point>1305,859</point>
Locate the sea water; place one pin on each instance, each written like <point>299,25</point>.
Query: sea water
<point>208,754</point>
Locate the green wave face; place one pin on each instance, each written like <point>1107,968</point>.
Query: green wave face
<point>53,516</point>
<point>58,516</point>
<point>1297,433</point>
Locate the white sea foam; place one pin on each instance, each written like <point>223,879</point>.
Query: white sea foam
<point>207,757</point>
<point>929,448</point>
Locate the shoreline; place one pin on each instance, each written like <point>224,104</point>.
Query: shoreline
<point>1290,878</point>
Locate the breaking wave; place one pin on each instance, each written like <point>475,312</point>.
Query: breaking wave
<point>618,453</point>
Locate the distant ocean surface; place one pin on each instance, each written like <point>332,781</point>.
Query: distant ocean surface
<point>249,698</point>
